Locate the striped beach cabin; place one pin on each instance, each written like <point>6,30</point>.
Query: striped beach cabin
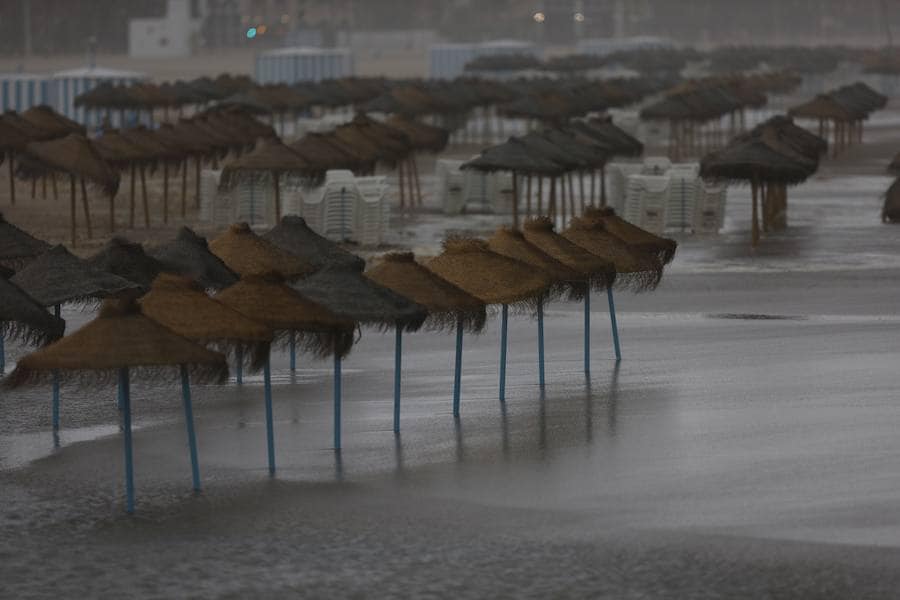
<point>68,85</point>
<point>21,91</point>
<point>302,63</point>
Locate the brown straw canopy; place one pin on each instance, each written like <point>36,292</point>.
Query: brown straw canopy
<point>188,254</point>
<point>268,300</point>
<point>58,276</point>
<point>183,306</point>
<point>635,270</point>
<point>446,303</point>
<point>293,235</point>
<point>351,295</point>
<point>121,336</point>
<point>598,272</point>
<point>248,254</point>
<point>76,156</point>
<point>18,247</point>
<point>492,278</point>
<point>270,157</point>
<point>51,121</point>
<point>127,260</point>
<point>634,236</point>
<point>512,243</point>
<point>22,318</point>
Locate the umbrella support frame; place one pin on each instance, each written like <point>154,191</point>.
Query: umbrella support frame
<point>189,423</point>
<point>613,323</point>
<point>270,425</point>
<point>540,324</point>
<point>504,324</point>
<point>398,357</point>
<point>457,368</point>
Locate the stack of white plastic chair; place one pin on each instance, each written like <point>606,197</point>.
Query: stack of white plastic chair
<point>214,207</point>
<point>631,206</point>
<point>682,199</point>
<point>646,201</point>
<point>312,209</point>
<point>709,215</point>
<point>254,202</point>
<point>449,185</point>
<point>373,212</point>
<point>340,199</point>
<point>617,183</point>
<point>477,191</point>
<point>501,196</point>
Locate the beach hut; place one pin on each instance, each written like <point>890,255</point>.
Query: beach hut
<point>448,306</point>
<point>189,255</point>
<point>350,295</point>
<point>23,319</point>
<point>319,331</point>
<point>270,159</point>
<point>76,157</point>
<point>58,277</point>
<point>293,235</point>
<point>17,247</point>
<point>302,63</point>
<point>21,91</point>
<point>127,260</point>
<point>119,343</point>
<point>494,279</point>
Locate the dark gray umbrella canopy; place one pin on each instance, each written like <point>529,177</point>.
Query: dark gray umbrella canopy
<point>293,235</point>
<point>58,276</point>
<point>593,154</point>
<point>760,160</point>
<point>608,133</point>
<point>349,294</point>
<point>23,318</point>
<point>542,147</point>
<point>513,155</point>
<point>188,255</point>
<point>127,260</point>
<point>18,247</point>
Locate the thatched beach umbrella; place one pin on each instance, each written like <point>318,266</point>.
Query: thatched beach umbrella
<point>324,152</point>
<point>52,122</point>
<point>293,235</point>
<point>57,277</point>
<point>268,300</point>
<point>448,306</point>
<point>350,295</point>
<point>122,341</point>
<point>189,255</point>
<point>23,319</point>
<point>17,247</point>
<point>494,279</point>
<point>634,236</point>
<point>270,158</point>
<point>127,260</point>
<point>12,141</point>
<point>246,253</point>
<point>183,306</point>
<point>598,273</point>
<point>76,157</point>
<point>123,155</point>
<point>157,149</point>
<point>890,212</point>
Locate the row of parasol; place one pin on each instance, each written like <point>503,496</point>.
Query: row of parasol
<point>292,288</point>
<point>841,113</point>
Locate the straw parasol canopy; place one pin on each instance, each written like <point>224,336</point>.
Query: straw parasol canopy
<point>188,254</point>
<point>183,306</point>
<point>270,156</point>
<point>447,304</point>
<point>492,278</point>
<point>268,300</point>
<point>18,247</point>
<point>632,235</point>
<point>512,243</point>
<point>12,139</point>
<point>513,155</point>
<point>293,235</point>
<point>759,159</point>
<point>351,295</point>
<point>248,254</point>
<point>22,318</point>
<point>76,156</point>
<point>51,121</point>
<point>894,166</point>
<point>120,337</point>
<point>635,270</point>
<point>58,276</point>
<point>324,151</point>
<point>127,260</point>
<point>598,272</point>
<point>890,212</point>
<point>421,135</point>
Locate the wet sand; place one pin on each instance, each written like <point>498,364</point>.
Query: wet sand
<point>746,446</point>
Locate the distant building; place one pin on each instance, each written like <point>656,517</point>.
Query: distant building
<point>171,36</point>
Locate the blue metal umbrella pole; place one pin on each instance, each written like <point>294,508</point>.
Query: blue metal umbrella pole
<point>126,426</point>
<point>504,319</point>
<point>587,333</point>
<point>57,311</point>
<point>337,401</point>
<point>293,345</point>
<point>457,370</point>
<point>540,320</point>
<point>612,320</point>
<point>189,421</point>
<point>270,425</point>
<point>398,356</point>
<point>239,365</point>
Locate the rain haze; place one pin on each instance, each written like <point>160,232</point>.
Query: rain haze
<point>449,299</point>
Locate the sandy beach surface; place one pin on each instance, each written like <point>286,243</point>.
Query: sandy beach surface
<point>746,446</point>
